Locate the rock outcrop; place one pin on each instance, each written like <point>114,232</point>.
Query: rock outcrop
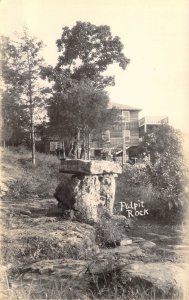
<point>50,240</point>
<point>91,188</point>
<point>166,278</point>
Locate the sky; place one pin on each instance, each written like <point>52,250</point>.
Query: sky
<point>155,38</point>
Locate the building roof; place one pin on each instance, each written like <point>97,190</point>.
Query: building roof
<point>122,106</point>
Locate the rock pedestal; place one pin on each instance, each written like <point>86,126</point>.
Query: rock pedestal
<point>91,188</point>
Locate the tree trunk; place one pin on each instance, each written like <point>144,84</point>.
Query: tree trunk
<point>31,107</point>
<point>78,143</point>
<point>33,141</point>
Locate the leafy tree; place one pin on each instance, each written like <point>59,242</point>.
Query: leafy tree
<point>86,52</point>
<point>79,101</point>
<point>75,114</point>
<point>166,171</point>
<point>14,126</point>
<point>21,66</point>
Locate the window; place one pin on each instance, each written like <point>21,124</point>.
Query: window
<point>53,146</point>
<point>125,116</point>
<point>116,134</point>
<point>115,142</point>
<point>97,152</point>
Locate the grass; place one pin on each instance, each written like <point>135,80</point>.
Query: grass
<point>41,180</point>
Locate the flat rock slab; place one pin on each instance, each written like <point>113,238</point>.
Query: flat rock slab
<point>162,238</point>
<point>124,251</point>
<point>165,277</point>
<point>61,279</point>
<point>67,268</point>
<point>50,240</point>
<point>148,245</point>
<point>89,167</point>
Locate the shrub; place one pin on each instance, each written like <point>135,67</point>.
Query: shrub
<point>132,184</point>
<point>160,186</point>
<point>111,230</point>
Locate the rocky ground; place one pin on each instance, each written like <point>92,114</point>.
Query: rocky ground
<point>47,257</point>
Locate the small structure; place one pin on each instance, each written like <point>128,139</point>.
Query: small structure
<point>91,189</point>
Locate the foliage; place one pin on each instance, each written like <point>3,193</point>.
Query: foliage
<point>79,101</point>
<point>167,169</point>
<point>81,107</point>
<point>14,127</point>
<point>110,230</point>
<point>162,141</point>
<point>132,185</point>
<point>86,52</point>
<point>21,65</point>
<point>160,184</point>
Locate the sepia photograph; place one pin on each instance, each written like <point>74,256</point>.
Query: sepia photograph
<point>94,150</point>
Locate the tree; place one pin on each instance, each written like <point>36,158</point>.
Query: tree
<point>86,52</point>
<point>14,123</point>
<point>21,66</point>
<point>166,171</point>
<point>75,114</point>
<point>161,140</point>
<point>79,100</point>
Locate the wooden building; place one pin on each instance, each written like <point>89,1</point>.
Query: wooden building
<point>123,134</point>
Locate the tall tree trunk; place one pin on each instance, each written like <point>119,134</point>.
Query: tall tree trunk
<point>33,142</point>
<point>31,108</point>
<point>78,142</point>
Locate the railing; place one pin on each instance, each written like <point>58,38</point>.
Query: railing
<point>153,120</point>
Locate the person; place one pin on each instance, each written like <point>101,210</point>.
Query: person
<point>104,156</point>
<point>114,157</point>
<point>58,151</point>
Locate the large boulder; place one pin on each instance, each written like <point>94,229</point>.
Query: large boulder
<point>87,195</point>
<point>91,188</point>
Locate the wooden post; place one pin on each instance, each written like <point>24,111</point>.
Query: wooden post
<point>84,145</point>
<point>63,150</point>
<point>89,146</point>
<point>123,154</point>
